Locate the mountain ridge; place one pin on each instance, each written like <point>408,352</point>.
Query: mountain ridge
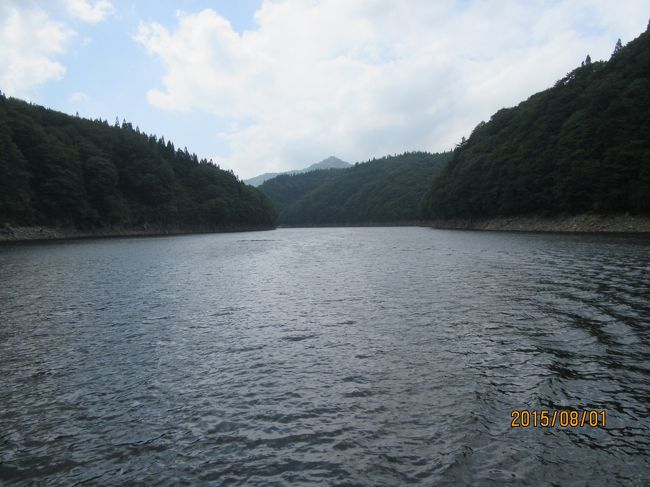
<point>579,147</point>
<point>330,162</point>
<point>379,191</point>
<point>62,171</point>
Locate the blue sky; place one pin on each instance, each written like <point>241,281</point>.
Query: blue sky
<point>110,73</point>
<point>276,85</point>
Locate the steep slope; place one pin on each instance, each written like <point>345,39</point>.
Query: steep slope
<point>286,189</point>
<point>258,180</point>
<point>387,190</point>
<point>329,163</point>
<point>59,170</point>
<point>581,146</point>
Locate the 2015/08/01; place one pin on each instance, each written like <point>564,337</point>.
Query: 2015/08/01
<point>545,418</point>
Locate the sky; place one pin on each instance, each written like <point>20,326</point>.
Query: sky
<point>264,86</point>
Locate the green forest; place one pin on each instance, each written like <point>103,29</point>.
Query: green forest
<point>581,146</point>
<point>57,169</point>
<point>386,190</point>
<point>286,189</point>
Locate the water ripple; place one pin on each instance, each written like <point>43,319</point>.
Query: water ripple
<point>374,356</point>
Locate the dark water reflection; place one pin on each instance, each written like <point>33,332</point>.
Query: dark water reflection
<point>375,356</point>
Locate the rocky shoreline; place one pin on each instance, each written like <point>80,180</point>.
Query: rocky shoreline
<point>18,234</point>
<point>570,224</point>
<point>575,223</point>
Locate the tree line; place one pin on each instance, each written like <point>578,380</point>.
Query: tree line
<point>384,190</point>
<point>56,169</point>
<point>580,146</point>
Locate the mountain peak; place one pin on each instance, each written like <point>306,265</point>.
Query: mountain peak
<point>331,162</point>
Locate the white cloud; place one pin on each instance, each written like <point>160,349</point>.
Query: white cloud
<point>370,77</point>
<point>77,98</point>
<point>88,11</point>
<point>29,44</point>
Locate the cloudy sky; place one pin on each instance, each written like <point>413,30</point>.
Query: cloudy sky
<point>274,85</point>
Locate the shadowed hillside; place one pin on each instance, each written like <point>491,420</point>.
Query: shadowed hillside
<point>386,190</point>
<point>581,146</point>
<point>59,170</point>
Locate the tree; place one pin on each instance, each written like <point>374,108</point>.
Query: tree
<point>617,47</point>
<point>382,190</point>
<point>57,169</point>
<point>15,192</point>
<point>60,182</point>
<point>578,147</point>
<point>100,177</point>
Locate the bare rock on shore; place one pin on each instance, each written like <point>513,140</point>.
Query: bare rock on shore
<point>15,234</point>
<point>573,223</point>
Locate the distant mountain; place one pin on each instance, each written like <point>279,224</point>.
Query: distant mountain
<point>60,170</point>
<point>386,190</point>
<point>581,146</point>
<point>329,163</point>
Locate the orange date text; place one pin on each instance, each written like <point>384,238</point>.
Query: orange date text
<point>565,418</point>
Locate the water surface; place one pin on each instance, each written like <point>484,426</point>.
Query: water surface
<point>341,356</point>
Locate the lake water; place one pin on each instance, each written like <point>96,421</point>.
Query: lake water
<point>340,356</point>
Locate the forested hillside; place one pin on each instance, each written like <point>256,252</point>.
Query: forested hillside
<point>386,190</point>
<point>581,146</point>
<point>57,169</point>
<point>286,189</point>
